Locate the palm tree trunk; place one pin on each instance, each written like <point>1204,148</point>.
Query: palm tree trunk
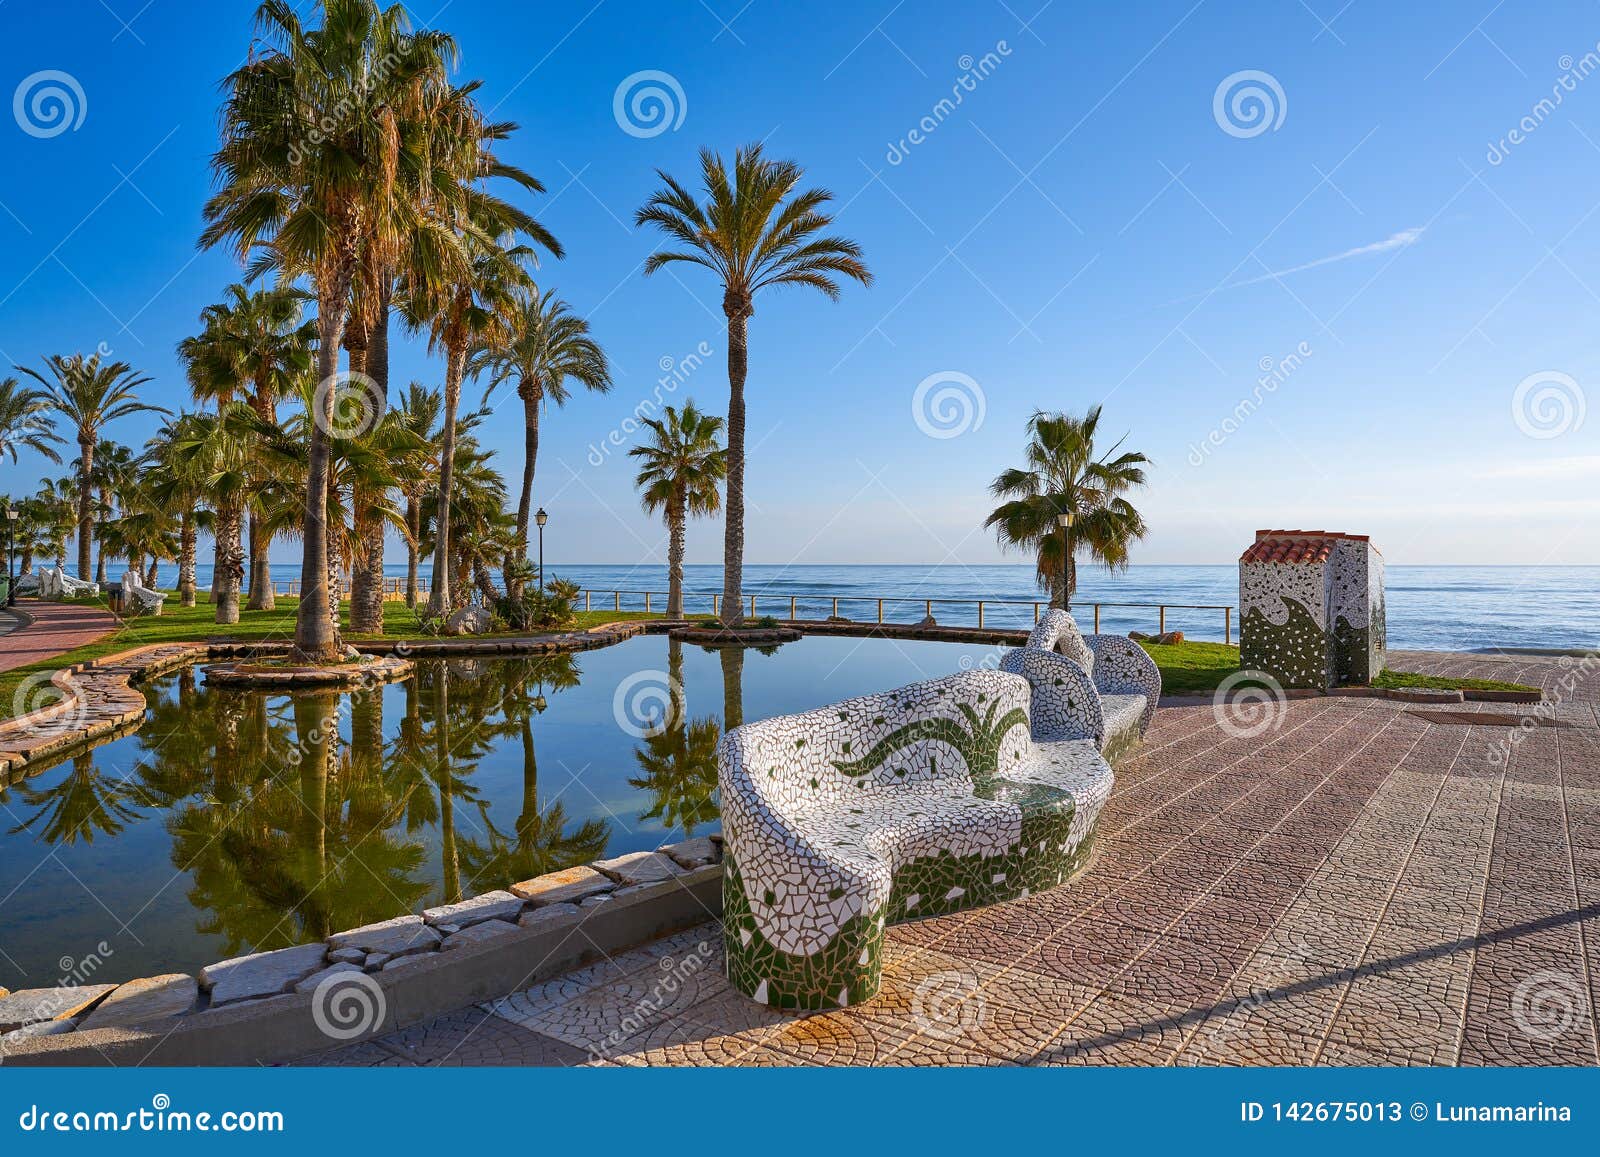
<point>100,554</point>
<point>335,575</point>
<point>316,632</point>
<point>186,548</point>
<point>439,595</point>
<point>25,558</point>
<point>732,687</point>
<point>85,506</point>
<point>413,548</point>
<point>528,818</point>
<point>451,865</point>
<point>261,596</point>
<point>676,517</point>
<point>677,703</point>
<point>229,568</point>
<point>366,569</point>
<point>530,395</point>
<point>733,539</point>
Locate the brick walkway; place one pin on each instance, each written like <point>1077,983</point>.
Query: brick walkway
<point>1366,882</point>
<point>56,629</point>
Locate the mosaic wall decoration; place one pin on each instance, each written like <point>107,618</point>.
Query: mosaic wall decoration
<point>929,799</point>
<point>1311,608</point>
<point>1111,698</point>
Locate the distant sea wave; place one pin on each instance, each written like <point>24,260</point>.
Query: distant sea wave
<point>1429,607</point>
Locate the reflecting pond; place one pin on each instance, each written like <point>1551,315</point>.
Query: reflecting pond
<point>236,821</point>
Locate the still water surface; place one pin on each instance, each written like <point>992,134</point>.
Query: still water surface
<point>233,821</point>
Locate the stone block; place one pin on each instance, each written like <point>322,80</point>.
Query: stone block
<point>143,1001</point>
<point>489,906</point>
<point>261,974</point>
<point>481,933</point>
<point>639,868</point>
<point>32,1005</point>
<point>398,937</point>
<point>565,887</point>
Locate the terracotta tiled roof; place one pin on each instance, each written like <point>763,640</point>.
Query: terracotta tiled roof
<point>1295,546</point>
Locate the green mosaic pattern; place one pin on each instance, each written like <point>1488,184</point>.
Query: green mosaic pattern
<point>1295,652</point>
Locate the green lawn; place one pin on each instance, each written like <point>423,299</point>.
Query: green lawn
<point>178,624</point>
<point>1197,669</point>
<point>1403,679</point>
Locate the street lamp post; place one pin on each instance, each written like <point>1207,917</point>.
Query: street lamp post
<point>11,553</point>
<point>1065,519</point>
<point>541,518</point>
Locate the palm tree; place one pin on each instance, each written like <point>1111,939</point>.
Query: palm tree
<point>25,422</point>
<point>177,482</point>
<point>91,393</point>
<point>309,161</point>
<point>1065,475</point>
<point>680,469</point>
<point>419,411</point>
<point>469,305</point>
<point>755,230</point>
<point>116,479</point>
<point>258,342</point>
<point>546,345</point>
<point>217,449</point>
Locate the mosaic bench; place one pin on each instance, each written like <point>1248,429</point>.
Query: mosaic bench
<point>1103,686</point>
<point>929,799</point>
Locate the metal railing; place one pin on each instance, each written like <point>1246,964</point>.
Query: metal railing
<point>614,599</point>
<point>394,589</point>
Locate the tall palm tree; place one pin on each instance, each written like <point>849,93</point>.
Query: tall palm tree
<point>116,479</point>
<point>91,393</point>
<point>310,158</point>
<point>419,411</point>
<point>754,230</point>
<point>546,345</point>
<point>257,342</point>
<point>468,304</point>
<point>25,422</point>
<point>680,469</point>
<point>177,482</point>
<point>1066,475</point>
<point>218,449</point>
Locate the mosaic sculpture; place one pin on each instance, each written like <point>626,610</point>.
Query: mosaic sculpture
<point>139,598</point>
<point>933,798</point>
<point>1105,685</point>
<point>1311,608</point>
<point>55,583</point>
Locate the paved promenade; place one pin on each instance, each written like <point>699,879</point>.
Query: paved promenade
<point>56,629</point>
<point>1358,882</point>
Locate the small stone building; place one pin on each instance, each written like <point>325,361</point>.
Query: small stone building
<point>1311,608</point>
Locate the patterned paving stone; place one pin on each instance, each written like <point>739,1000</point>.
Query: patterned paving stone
<point>474,1037</point>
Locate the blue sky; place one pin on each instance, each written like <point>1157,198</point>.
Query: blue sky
<point>1087,224</point>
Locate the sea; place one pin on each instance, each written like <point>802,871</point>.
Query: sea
<point>1457,608</point>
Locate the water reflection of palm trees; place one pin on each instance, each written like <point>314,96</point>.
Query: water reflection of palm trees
<point>678,761</point>
<point>540,840</point>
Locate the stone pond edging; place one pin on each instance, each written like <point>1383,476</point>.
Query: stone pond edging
<point>275,1006</point>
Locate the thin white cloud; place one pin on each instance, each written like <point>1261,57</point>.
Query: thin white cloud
<point>1546,469</point>
<point>1400,240</point>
